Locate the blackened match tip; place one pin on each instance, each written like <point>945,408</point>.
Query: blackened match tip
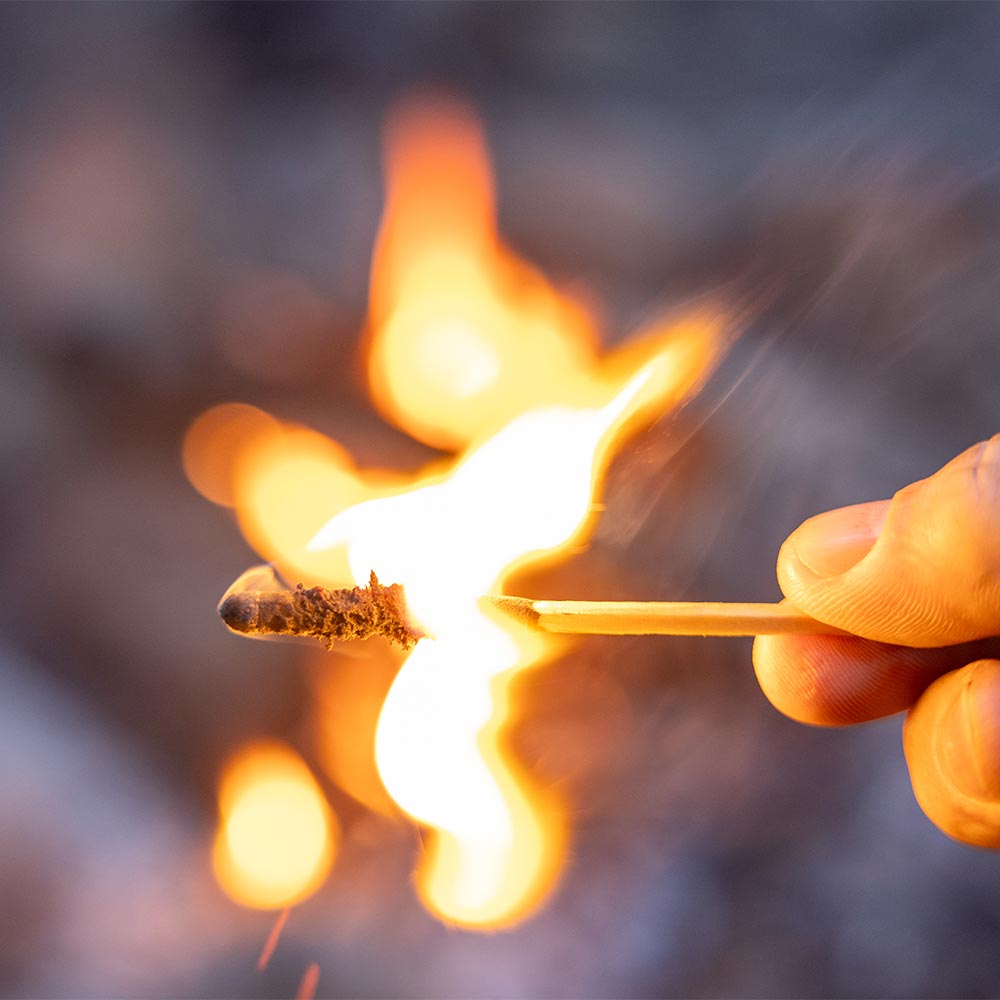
<point>238,612</point>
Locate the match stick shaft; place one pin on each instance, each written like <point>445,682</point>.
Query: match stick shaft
<point>662,618</point>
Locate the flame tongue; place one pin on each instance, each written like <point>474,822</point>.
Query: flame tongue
<point>440,760</point>
<point>525,491</point>
<point>465,335</point>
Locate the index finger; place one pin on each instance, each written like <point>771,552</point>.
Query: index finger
<point>831,680</point>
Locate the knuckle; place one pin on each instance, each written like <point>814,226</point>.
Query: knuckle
<point>985,472</point>
<point>984,517</point>
<point>957,512</point>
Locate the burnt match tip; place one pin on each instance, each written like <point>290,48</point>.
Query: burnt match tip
<point>238,612</point>
<point>520,608</point>
<point>330,615</point>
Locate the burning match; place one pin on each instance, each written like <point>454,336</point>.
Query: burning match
<point>361,612</point>
<point>473,352</point>
<point>331,615</point>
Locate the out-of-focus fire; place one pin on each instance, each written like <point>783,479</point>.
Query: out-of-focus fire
<point>277,836</point>
<point>471,350</point>
<point>464,335</point>
<point>213,443</point>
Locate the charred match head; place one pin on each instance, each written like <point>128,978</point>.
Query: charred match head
<point>241,612</point>
<point>331,615</point>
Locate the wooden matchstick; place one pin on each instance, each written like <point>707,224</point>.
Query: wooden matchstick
<point>360,612</point>
<point>660,617</point>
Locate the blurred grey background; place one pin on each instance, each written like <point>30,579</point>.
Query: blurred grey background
<point>831,169</point>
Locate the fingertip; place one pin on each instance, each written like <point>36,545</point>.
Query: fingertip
<point>787,690</point>
<point>952,745</point>
<point>818,680</point>
<point>930,575</point>
<point>816,561</point>
<point>829,544</point>
<point>826,680</point>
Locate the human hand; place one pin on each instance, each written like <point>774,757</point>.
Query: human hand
<point>904,576</point>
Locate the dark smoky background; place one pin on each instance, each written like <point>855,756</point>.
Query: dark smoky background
<point>169,172</point>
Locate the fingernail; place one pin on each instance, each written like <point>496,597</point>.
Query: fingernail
<point>967,740</point>
<point>831,543</point>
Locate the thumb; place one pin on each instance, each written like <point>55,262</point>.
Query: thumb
<point>922,569</point>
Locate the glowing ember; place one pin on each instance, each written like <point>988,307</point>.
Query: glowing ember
<point>309,983</point>
<point>267,952</point>
<point>470,350</point>
<point>276,838</point>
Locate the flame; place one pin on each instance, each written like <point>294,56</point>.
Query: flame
<point>214,442</point>
<point>465,335</point>
<point>439,743</point>
<point>276,838</point>
<point>287,483</point>
<point>471,350</point>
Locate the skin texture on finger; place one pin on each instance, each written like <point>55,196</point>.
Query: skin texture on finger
<point>952,743</point>
<point>920,570</point>
<point>828,680</point>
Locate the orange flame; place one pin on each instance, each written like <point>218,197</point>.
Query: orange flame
<point>276,838</point>
<point>526,491</point>
<point>465,336</point>
<point>471,350</point>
